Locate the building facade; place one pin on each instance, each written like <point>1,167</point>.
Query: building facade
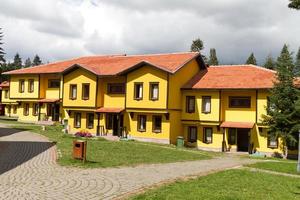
<point>151,98</point>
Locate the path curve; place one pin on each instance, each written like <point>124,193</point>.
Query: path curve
<point>28,170</point>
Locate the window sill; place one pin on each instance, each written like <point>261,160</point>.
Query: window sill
<point>139,99</point>
<point>156,131</point>
<point>206,113</point>
<point>153,99</point>
<point>142,130</point>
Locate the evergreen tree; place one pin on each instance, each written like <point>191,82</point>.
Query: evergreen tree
<point>36,61</point>
<point>213,60</point>
<point>27,63</point>
<point>251,60</point>
<point>295,4</point>
<point>197,45</point>
<point>282,114</point>
<point>269,64</point>
<point>17,61</point>
<point>297,64</point>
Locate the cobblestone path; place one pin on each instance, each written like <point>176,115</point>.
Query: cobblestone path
<point>28,171</point>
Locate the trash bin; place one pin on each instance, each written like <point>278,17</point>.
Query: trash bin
<point>180,141</point>
<point>79,150</point>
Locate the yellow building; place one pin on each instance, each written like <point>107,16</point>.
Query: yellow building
<point>151,98</point>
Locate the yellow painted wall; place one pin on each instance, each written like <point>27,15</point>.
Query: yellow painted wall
<point>238,114</point>
<point>177,80</point>
<point>83,122</point>
<point>45,91</point>
<point>79,76</point>
<point>6,100</point>
<point>146,75</point>
<point>262,104</point>
<point>198,115</point>
<point>110,100</point>
<point>14,86</point>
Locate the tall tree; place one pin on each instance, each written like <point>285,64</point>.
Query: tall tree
<point>270,63</point>
<point>297,64</point>
<point>213,60</point>
<point>2,60</point>
<point>27,63</point>
<point>251,60</point>
<point>17,61</point>
<point>295,4</point>
<point>36,61</point>
<point>197,45</point>
<point>282,112</point>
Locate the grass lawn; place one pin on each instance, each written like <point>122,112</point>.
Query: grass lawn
<point>279,166</point>
<point>104,153</point>
<point>229,185</point>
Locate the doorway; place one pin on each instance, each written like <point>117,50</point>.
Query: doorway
<point>114,122</point>
<point>243,140</point>
<point>55,112</point>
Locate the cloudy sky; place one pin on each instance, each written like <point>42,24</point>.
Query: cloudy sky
<point>62,29</point>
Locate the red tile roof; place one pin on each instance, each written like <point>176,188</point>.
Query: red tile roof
<point>114,64</point>
<point>109,110</point>
<point>4,84</point>
<point>233,77</point>
<point>237,125</point>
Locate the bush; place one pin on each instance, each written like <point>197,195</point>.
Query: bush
<point>83,133</point>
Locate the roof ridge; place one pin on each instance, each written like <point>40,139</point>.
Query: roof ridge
<point>160,54</point>
<point>245,65</point>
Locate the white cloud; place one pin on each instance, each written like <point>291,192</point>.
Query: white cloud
<point>60,29</point>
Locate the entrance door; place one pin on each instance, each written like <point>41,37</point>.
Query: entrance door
<point>55,112</point>
<point>242,140</point>
<point>115,125</point>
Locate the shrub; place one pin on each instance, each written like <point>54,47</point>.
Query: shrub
<point>83,133</point>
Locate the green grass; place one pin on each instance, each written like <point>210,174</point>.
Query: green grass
<point>229,185</point>
<point>279,166</point>
<point>104,153</point>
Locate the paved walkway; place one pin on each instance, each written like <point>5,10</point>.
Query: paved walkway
<point>28,171</point>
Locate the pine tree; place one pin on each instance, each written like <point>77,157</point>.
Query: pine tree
<point>270,63</point>
<point>282,112</point>
<point>27,63</point>
<point>197,45</point>
<point>2,60</point>
<point>295,4</point>
<point>251,60</point>
<point>36,61</point>
<point>213,60</point>
<point>297,64</point>
<point>17,61</point>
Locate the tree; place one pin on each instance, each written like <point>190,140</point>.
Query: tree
<point>17,61</point>
<point>2,60</point>
<point>295,4</point>
<point>27,63</point>
<point>36,61</point>
<point>270,63</point>
<point>213,60</point>
<point>251,60</point>
<point>197,45</point>
<point>282,115</point>
<point>297,64</point>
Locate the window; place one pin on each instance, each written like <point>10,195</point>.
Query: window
<point>156,123</point>
<point>232,136</point>
<point>85,91</point>
<point>138,91</point>
<point>54,83</point>
<point>73,91</point>
<point>35,109</point>
<point>26,109</point>
<point>6,94</point>
<point>9,109</point>
<point>21,86</point>
<point>154,89</point>
<point>239,102</point>
<point>272,141</point>
<point>142,123</point>
<point>109,121</point>
<point>115,88</point>
<point>77,120</point>
<point>90,120</point>
<point>15,108</point>
<point>206,104</point>
<point>30,85</point>
<point>192,134</point>
<point>190,104</point>
<point>49,110</point>
<point>208,135</point>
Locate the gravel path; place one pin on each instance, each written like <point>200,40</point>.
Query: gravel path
<point>28,170</point>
